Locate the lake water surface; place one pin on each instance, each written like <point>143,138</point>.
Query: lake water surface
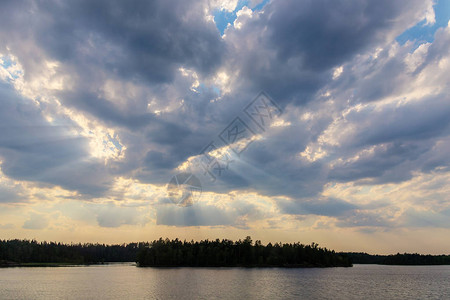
<point>125,281</point>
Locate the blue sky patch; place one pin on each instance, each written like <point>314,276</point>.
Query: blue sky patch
<point>222,17</point>
<point>422,33</point>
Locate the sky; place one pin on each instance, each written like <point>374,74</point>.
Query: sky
<point>324,121</point>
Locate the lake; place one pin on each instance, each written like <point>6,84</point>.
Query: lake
<point>125,281</point>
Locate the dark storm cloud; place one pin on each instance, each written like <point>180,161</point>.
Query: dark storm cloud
<point>98,107</point>
<point>323,34</point>
<point>293,45</point>
<point>404,137</point>
<point>414,121</point>
<point>142,40</point>
<point>380,163</point>
<point>159,160</point>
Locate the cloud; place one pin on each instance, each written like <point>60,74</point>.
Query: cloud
<point>323,207</point>
<point>94,94</point>
<point>192,216</point>
<point>425,218</point>
<point>160,35</point>
<point>11,192</point>
<point>116,55</point>
<point>291,47</point>
<point>7,226</point>
<point>36,221</point>
<point>111,215</point>
<point>35,150</point>
<point>366,221</point>
<point>217,210</point>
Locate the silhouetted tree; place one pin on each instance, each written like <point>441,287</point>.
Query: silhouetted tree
<point>159,253</point>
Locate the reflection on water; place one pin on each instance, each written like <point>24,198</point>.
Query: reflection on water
<point>125,281</point>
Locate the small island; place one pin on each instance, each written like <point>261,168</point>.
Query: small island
<point>241,253</point>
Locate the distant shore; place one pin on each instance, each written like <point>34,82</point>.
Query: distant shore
<point>9,264</point>
<point>405,259</point>
<point>207,253</point>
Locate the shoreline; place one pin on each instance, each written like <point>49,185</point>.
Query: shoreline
<point>57,265</point>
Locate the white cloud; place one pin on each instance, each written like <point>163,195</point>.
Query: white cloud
<point>242,16</point>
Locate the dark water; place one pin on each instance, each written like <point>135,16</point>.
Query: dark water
<point>125,281</point>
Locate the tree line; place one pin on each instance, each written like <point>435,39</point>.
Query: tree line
<point>30,251</point>
<point>244,253</point>
<point>399,259</point>
<point>206,253</point>
<point>165,252</point>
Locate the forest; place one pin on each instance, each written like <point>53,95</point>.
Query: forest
<point>206,253</point>
<point>16,252</point>
<point>242,253</point>
<point>165,252</point>
<point>399,259</point>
